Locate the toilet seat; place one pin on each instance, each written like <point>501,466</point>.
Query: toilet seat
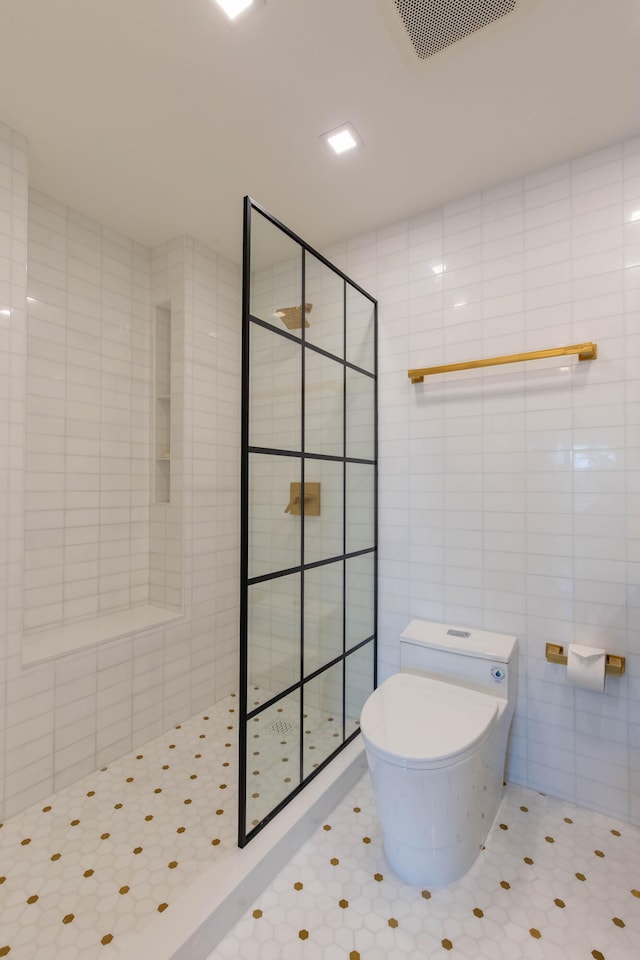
<point>418,722</point>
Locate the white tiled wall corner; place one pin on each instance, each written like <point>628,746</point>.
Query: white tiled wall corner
<point>63,718</point>
<point>212,366</point>
<point>13,303</point>
<point>509,496</point>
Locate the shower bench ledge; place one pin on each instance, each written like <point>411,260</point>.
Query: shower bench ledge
<point>70,638</point>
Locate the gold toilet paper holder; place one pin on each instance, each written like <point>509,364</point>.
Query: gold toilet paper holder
<point>614,664</point>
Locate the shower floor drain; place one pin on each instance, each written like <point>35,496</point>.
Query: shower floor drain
<point>282,726</point>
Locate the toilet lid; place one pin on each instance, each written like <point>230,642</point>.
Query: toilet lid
<point>416,721</point>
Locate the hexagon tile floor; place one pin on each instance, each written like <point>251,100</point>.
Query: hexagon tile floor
<point>108,857</point>
<point>554,882</point>
<point>99,859</point>
<point>94,864</point>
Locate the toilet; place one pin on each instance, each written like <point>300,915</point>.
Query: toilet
<point>435,736</point>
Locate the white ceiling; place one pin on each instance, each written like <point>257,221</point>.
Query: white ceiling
<point>157,116</point>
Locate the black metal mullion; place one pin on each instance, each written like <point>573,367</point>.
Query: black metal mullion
<point>375,496</point>
<point>259,322</point>
<point>332,356</point>
<point>277,574</point>
<point>274,699</point>
<point>354,553</point>
<point>303,412</point>
<point>244,530</point>
<point>261,708</point>
<point>365,373</point>
<point>361,643</point>
<point>310,346</point>
<point>344,510</point>
<point>277,452</point>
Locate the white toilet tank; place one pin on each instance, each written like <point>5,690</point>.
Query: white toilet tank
<point>478,659</point>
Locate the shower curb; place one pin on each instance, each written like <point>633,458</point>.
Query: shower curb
<point>205,911</point>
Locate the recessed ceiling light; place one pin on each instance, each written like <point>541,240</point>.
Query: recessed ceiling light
<point>439,268</point>
<point>341,141</point>
<point>233,8</point>
<point>342,138</point>
<point>635,215</point>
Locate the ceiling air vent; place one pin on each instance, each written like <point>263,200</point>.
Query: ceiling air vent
<point>433,25</point>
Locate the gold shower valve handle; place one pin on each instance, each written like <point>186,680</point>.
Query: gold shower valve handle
<point>311,500</point>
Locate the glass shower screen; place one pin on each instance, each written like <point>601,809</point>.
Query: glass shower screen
<point>309,530</point>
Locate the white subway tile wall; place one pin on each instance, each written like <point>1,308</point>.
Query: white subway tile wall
<point>88,429</point>
<point>91,297</point>
<point>510,497</point>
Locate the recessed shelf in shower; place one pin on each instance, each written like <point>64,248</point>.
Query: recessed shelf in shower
<point>162,406</point>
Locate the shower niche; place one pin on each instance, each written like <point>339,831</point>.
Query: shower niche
<point>162,406</point>
<point>309,532</point>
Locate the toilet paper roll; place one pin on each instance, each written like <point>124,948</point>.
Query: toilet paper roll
<point>585,666</point>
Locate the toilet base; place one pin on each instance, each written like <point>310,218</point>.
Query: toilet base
<point>435,822</point>
<point>434,868</point>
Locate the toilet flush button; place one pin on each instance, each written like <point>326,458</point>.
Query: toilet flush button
<point>498,674</point>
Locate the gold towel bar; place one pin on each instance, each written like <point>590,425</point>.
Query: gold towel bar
<point>585,351</point>
<point>614,664</point>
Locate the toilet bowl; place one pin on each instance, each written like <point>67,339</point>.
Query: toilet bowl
<point>435,736</point>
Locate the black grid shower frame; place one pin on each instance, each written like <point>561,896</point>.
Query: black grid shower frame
<point>246,715</point>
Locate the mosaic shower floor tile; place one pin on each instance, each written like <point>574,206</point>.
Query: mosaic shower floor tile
<point>102,857</point>
<point>554,882</point>
<point>273,746</point>
<point>95,863</point>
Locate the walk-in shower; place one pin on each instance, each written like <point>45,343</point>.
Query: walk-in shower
<point>309,533</point>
